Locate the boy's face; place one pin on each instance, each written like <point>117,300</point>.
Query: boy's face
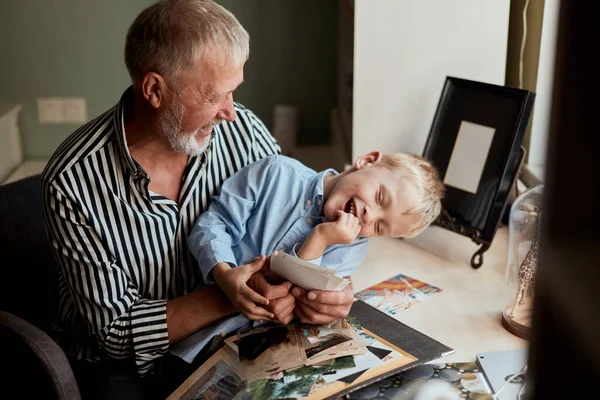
<point>378,195</point>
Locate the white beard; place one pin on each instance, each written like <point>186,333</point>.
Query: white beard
<point>184,142</point>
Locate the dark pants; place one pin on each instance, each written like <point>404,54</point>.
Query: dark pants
<point>118,379</point>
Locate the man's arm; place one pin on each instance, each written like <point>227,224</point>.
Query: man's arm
<point>192,312</point>
<point>123,323</point>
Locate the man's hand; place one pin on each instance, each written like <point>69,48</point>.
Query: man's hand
<point>233,281</point>
<point>281,302</point>
<point>322,307</point>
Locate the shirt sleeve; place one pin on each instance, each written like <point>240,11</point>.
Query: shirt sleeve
<point>316,261</point>
<point>344,259</point>
<point>123,323</point>
<point>223,225</point>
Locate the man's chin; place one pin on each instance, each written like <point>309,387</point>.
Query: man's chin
<point>193,146</point>
<point>204,132</point>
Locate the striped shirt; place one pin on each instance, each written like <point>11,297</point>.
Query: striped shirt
<point>122,249</point>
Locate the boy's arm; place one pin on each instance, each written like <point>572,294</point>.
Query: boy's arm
<point>343,230</point>
<point>314,246</point>
<point>321,306</point>
<point>223,225</point>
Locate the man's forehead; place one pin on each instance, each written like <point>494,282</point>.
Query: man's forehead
<point>217,78</point>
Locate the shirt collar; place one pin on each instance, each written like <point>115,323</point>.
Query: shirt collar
<point>316,191</point>
<point>119,124</point>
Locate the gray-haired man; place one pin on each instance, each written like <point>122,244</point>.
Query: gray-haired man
<point>120,196</point>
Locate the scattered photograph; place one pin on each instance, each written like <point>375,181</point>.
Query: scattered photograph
<point>299,382</point>
<point>252,345</point>
<point>397,294</point>
<point>324,342</point>
<point>361,363</point>
<point>219,382</point>
<point>267,352</point>
<point>355,324</point>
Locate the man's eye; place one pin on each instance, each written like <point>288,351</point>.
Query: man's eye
<point>380,197</point>
<point>378,228</point>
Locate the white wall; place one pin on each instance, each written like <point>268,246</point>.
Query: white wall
<point>404,49</point>
<point>544,86</point>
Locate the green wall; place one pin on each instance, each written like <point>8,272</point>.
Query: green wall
<point>63,48</point>
<point>57,48</point>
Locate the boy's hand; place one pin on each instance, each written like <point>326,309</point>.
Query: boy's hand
<point>343,230</point>
<point>281,302</point>
<point>233,282</point>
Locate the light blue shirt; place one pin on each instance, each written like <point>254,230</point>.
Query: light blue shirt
<point>272,204</point>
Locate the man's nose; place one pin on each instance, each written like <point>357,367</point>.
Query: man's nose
<point>227,112</point>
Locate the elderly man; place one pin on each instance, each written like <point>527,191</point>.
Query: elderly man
<point>120,196</point>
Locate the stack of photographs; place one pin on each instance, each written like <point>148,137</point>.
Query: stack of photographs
<point>292,361</point>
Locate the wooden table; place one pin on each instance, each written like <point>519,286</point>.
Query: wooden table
<point>467,314</point>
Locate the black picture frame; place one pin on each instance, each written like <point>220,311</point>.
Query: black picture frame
<point>477,213</point>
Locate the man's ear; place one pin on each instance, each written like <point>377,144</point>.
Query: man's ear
<point>367,159</point>
<point>154,88</point>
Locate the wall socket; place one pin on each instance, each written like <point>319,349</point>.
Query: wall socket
<point>62,110</point>
<point>50,110</point>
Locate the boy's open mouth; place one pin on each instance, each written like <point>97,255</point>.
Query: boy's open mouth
<point>350,207</point>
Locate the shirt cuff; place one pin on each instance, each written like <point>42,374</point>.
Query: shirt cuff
<point>210,255</point>
<point>316,261</point>
<point>148,326</point>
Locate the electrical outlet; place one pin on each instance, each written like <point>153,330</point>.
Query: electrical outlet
<point>75,110</point>
<point>50,110</point>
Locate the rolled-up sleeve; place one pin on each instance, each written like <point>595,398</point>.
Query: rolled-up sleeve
<point>123,324</point>
<point>316,261</point>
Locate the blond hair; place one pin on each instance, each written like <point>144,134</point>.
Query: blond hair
<point>171,36</point>
<point>425,177</point>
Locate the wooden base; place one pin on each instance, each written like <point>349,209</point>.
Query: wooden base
<point>515,328</point>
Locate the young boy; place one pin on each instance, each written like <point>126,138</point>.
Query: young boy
<point>277,203</point>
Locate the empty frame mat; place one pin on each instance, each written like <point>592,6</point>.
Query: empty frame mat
<point>468,156</point>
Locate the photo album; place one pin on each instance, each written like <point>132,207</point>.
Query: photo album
<point>309,361</point>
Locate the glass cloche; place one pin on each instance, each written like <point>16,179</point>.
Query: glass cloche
<point>522,259</point>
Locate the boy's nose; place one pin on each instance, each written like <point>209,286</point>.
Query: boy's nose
<point>367,215</point>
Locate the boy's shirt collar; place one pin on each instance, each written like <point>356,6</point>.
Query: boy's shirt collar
<point>313,203</point>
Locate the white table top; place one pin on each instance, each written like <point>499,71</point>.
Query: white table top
<point>466,315</point>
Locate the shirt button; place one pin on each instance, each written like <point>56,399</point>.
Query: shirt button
<point>308,202</point>
<point>309,220</point>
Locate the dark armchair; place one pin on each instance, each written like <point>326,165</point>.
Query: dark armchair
<point>28,298</point>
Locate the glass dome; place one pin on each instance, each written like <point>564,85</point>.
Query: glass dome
<point>521,261</point>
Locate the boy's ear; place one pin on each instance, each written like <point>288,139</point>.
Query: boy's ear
<point>367,159</point>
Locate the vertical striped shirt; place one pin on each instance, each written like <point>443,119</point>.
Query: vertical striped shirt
<point>122,249</point>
